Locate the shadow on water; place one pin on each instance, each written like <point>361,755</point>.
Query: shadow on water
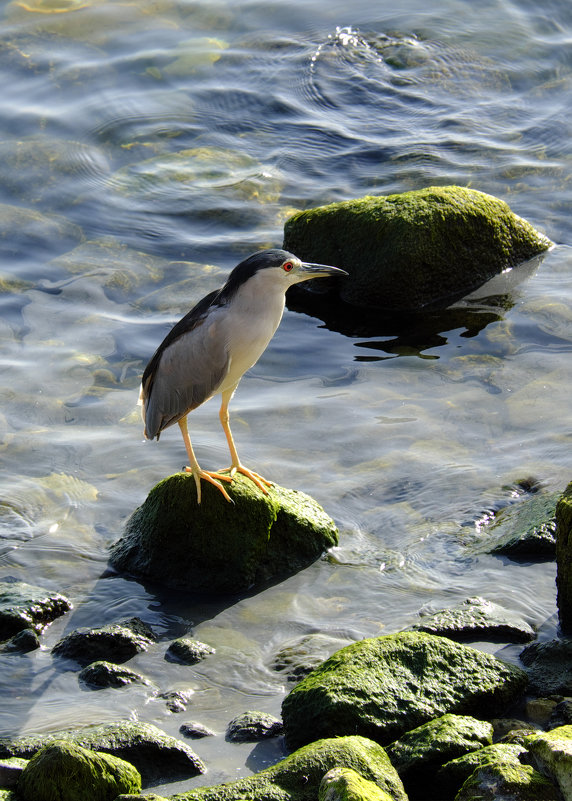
<point>411,333</point>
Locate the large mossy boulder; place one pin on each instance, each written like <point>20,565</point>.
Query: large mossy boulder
<point>385,686</point>
<point>501,776</point>
<point>564,559</point>
<point>156,755</point>
<point>65,771</point>
<point>346,784</point>
<point>298,777</point>
<point>410,250</point>
<point>552,754</point>
<point>221,547</point>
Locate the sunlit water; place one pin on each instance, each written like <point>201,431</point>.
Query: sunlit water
<point>405,432</point>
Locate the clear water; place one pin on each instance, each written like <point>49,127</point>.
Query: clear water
<point>404,432</point>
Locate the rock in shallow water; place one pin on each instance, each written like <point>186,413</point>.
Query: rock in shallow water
<point>24,606</point>
<point>115,643</point>
<point>414,249</point>
<point>383,687</point>
<point>477,619</point>
<point>219,547</point>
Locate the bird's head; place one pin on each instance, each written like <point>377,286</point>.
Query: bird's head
<point>276,269</point>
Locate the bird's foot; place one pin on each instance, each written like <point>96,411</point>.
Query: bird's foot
<point>212,478</point>
<point>255,477</point>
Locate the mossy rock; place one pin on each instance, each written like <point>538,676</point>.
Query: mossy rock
<point>552,754</point>
<point>453,774</point>
<point>506,778</point>
<point>221,547</point>
<point>345,784</point>
<point>298,777</point>
<point>549,666</point>
<point>477,619</point>
<point>100,675</point>
<point>419,753</point>
<point>564,559</point>
<point>64,771</point>
<point>116,642</point>
<point>421,248</point>
<point>385,686</point>
<point>156,755</point>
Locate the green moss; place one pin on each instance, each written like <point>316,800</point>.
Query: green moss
<point>507,778</point>
<point>217,546</point>
<point>564,559</point>
<point>298,777</point>
<point>552,753</point>
<point>452,775</point>
<point>64,771</point>
<point>408,250</point>
<point>385,686</point>
<point>345,784</point>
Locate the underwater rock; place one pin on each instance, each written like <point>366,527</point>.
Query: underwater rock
<point>116,642</point>
<point>345,784</point>
<point>385,686</point>
<point>523,531</point>
<point>156,755</point>
<point>176,700</point>
<point>187,651</point>
<point>219,546</point>
<point>419,753</point>
<point>564,559</point>
<point>99,675</point>
<point>298,777</point>
<point>68,772</point>
<point>24,231</point>
<point>299,658</point>
<point>249,727</point>
<point>23,606</point>
<point>477,619</point>
<point>410,250</point>
<point>195,730</point>
<point>549,667</point>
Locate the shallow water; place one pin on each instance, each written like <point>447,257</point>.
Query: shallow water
<point>405,431</point>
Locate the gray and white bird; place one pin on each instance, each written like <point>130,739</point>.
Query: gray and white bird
<point>208,351</point>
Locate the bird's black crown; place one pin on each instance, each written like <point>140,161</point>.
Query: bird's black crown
<point>247,268</point>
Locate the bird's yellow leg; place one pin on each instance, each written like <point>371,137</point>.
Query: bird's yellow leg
<point>196,470</point>
<point>236,466</point>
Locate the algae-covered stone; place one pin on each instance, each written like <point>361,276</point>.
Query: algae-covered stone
<point>420,752</point>
<point>156,755</point>
<point>453,774</point>
<point>23,606</point>
<point>552,754</point>
<point>564,559</point>
<point>477,619</point>
<point>219,546</point>
<point>100,675</point>
<point>345,784</point>
<point>549,666</point>
<point>408,250</point>
<point>507,779</point>
<point>116,642</point>
<point>251,726</point>
<point>525,530</point>
<point>188,651</point>
<point>385,686</point>
<point>298,777</point>
<point>11,770</point>
<point>67,772</point>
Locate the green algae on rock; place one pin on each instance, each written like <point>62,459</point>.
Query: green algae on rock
<point>564,559</point>
<point>552,754</point>
<point>116,642</point>
<point>419,248</point>
<point>477,619</point>
<point>384,686</point>
<point>23,606</point>
<point>156,755</point>
<point>298,777</point>
<point>219,546</point>
<point>68,772</point>
<point>453,774</point>
<point>419,753</point>
<point>102,674</point>
<point>346,784</point>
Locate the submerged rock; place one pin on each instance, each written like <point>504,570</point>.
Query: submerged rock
<point>477,619</point>
<point>195,730</point>
<point>525,530</point>
<point>346,784</point>
<point>156,755</point>
<point>419,248</point>
<point>23,606</point>
<point>68,772</point>
<point>187,651</point>
<point>382,687</point>
<point>100,675</point>
<point>249,727</point>
<point>219,546</point>
<point>419,753</point>
<point>564,559</point>
<point>116,642</point>
<point>298,777</point>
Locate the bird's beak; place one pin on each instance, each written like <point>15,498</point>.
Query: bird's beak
<point>310,270</point>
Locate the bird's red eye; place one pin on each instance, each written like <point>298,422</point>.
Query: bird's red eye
<point>288,266</point>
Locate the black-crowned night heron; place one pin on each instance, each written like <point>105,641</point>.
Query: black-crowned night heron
<point>210,349</point>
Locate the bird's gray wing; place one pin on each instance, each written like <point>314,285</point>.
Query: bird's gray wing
<point>185,371</point>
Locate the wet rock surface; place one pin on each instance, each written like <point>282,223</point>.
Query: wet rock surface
<point>252,726</point>
<point>477,619</point>
<point>24,606</point>
<point>116,642</point>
